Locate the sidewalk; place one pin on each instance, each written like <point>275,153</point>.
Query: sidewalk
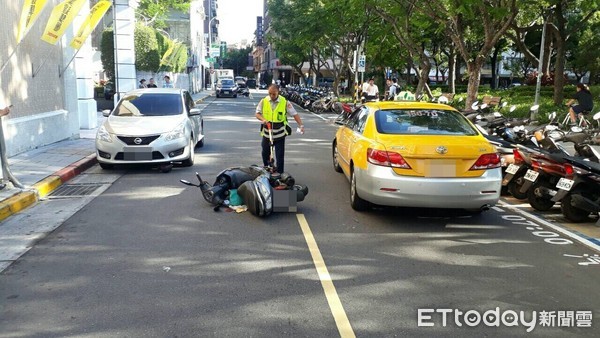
<point>44,169</point>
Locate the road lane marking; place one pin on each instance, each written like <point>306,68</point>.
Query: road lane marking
<point>585,240</point>
<point>335,305</point>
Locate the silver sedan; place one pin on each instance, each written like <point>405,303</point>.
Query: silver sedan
<point>157,126</point>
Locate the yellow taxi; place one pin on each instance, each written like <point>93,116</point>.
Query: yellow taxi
<point>416,154</point>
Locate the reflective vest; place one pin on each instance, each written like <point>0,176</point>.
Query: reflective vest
<point>278,118</point>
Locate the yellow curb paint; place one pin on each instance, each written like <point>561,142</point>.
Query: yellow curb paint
<point>4,211</point>
<point>335,304</point>
<point>47,185</point>
<point>21,201</point>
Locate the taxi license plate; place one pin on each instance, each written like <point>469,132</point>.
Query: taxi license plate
<point>512,169</point>
<point>531,175</point>
<point>565,184</point>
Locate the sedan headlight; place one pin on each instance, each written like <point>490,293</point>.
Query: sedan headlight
<point>103,135</point>
<point>178,132</point>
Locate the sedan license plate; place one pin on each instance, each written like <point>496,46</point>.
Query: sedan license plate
<point>531,175</point>
<point>565,184</point>
<point>226,92</point>
<point>137,153</point>
<point>512,169</point>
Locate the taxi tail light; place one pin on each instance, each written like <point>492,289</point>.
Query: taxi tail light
<point>386,158</point>
<point>487,161</point>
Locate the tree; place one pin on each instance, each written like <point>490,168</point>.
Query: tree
<point>154,12</point>
<point>413,31</point>
<point>147,53</point>
<point>475,27</point>
<point>107,55</point>
<point>237,60</point>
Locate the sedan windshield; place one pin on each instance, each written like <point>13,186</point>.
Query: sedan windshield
<point>150,104</point>
<point>422,122</point>
<point>227,82</point>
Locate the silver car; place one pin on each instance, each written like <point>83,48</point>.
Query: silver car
<point>158,126</point>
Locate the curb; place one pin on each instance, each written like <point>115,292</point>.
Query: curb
<point>25,199</point>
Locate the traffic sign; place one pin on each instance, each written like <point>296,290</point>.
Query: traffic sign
<point>361,63</point>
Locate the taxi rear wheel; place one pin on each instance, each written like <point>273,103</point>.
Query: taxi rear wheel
<point>356,202</point>
<point>336,163</point>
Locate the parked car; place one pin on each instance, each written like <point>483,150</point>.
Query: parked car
<point>240,81</point>
<point>226,87</point>
<point>251,83</point>
<point>158,126</point>
<point>416,154</point>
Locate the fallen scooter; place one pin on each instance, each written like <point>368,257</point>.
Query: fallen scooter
<point>260,190</point>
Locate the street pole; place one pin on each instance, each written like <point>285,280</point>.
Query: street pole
<point>540,65</point>
<point>209,49</point>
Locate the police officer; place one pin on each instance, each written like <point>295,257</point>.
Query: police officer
<point>272,111</point>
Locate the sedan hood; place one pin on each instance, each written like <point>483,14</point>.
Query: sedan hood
<point>142,125</point>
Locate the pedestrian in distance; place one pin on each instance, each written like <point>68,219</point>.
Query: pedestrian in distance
<point>167,83</point>
<point>372,92</point>
<point>585,102</point>
<point>143,84</point>
<point>273,111</point>
<point>393,91</point>
<point>151,83</point>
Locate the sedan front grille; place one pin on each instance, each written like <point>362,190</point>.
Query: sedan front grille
<point>143,141</point>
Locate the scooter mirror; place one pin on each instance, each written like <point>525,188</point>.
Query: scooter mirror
<point>503,104</point>
<point>442,99</point>
<point>478,117</point>
<point>187,182</point>
<point>475,105</point>
<point>576,129</point>
<point>497,114</point>
<point>552,116</point>
<point>512,108</point>
<point>483,106</point>
<point>597,116</point>
<point>534,107</point>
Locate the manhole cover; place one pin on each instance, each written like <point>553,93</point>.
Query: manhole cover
<point>74,190</point>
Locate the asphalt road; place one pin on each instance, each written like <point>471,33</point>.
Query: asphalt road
<point>149,257</point>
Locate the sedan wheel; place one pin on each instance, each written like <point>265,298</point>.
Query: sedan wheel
<point>190,161</point>
<point>356,202</point>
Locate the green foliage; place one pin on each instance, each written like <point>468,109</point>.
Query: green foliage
<point>147,56</point>
<point>107,54</point>
<point>154,12</point>
<point>174,59</point>
<point>153,52</point>
<point>237,60</point>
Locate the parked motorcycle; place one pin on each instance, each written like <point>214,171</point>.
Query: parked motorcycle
<point>579,191</point>
<point>547,168</point>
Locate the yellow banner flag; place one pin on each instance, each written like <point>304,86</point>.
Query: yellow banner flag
<point>61,17</point>
<point>31,11</point>
<point>92,20</point>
